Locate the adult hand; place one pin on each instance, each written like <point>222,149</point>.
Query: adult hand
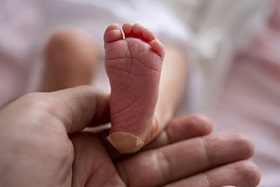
<point>42,144</point>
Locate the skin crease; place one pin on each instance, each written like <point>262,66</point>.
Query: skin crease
<point>43,130</point>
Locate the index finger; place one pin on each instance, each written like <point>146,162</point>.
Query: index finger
<point>184,159</point>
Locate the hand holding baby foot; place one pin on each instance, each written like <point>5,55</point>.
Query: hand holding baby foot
<point>133,65</point>
<point>42,144</point>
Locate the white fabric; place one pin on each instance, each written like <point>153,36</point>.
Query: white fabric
<point>219,27</point>
<point>19,22</point>
<point>241,65</point>
<point>95,15</point>
<point>240,62</point>
<point>31,22</point>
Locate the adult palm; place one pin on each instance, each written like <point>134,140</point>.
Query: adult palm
<point>42,143</point>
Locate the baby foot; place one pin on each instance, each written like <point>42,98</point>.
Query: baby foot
<point>133,60</point>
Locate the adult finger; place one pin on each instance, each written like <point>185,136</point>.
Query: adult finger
<point>76,108</point>
<point>178,129</point>
<point>241,174</point>
<point>182,128</point>
<point>184,159</point>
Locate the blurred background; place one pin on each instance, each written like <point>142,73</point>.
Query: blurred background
<point>233,56</point>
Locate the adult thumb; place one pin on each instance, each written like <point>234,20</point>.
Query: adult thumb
<point>79,107</point>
